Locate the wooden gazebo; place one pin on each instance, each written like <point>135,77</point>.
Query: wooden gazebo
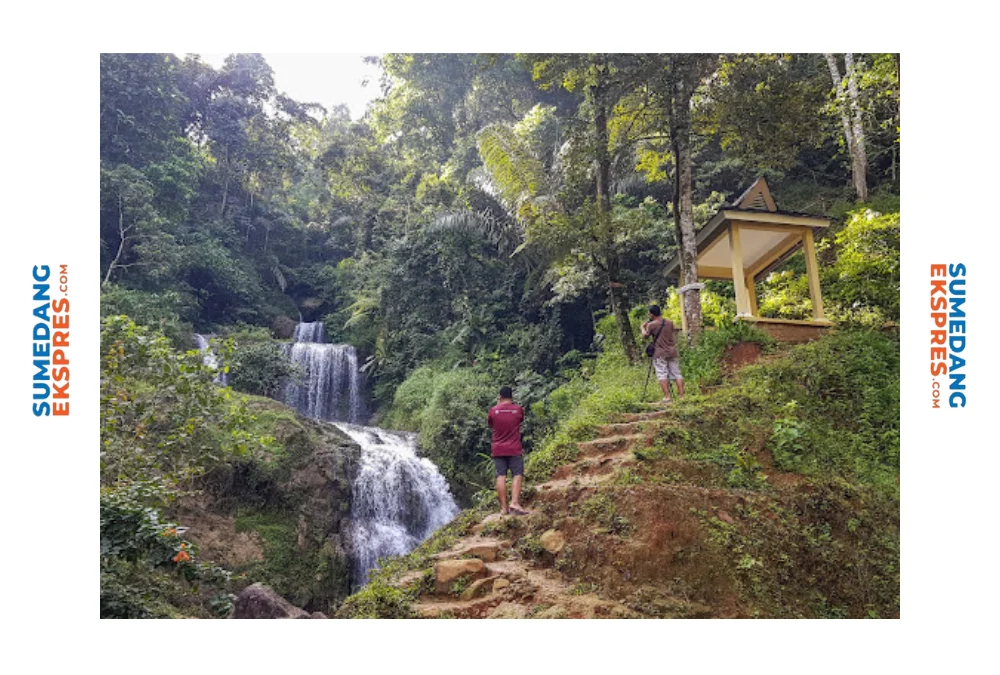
<point>743,242</point>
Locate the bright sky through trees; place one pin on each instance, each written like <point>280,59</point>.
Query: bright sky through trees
<point>327,79</point>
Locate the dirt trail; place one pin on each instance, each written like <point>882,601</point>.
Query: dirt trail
<point>511,583</point>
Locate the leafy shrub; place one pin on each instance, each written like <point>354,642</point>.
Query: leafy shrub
<point>260,368</point>
<point>139,550</point>
<point>161,415</point>
<point>378,600</point>
<point>169,312</point>
<point>701,363</point>
<point>867,269</point>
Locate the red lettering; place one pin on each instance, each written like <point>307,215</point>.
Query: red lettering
<point>938,270</point>
<point>939,303</point>
<point>938,337</point>
<point>60,390</point>
<point>61,305</point>
<point>60,321</point>
<point>59,357</point>
<point>60,374</point>
<point>61,339</point>
<point>60,408</point>
<point>939,353</point>
<point>939,368</point>
<point>939,287</point>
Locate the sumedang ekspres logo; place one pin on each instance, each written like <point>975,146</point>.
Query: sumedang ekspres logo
<point>50,341</point>
<point>948,335</point>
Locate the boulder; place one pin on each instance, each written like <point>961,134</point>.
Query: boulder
<point>553,541</point>
<point>553,612</point>
<point>478,588</point>
<point>509,610</point>
<point>260,602</point>
<point>447,571</point>
<point>500,584</point>
<point>487,551</point>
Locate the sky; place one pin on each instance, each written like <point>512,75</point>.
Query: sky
<point>327,79</point>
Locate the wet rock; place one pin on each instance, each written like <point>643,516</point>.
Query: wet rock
<point>257,601</point>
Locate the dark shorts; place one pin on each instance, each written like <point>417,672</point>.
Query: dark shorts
<point>515,463</point>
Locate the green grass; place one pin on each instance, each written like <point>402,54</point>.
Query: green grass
<point>610,385</point>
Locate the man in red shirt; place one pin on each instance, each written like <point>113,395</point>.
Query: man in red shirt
<point>505,419</point>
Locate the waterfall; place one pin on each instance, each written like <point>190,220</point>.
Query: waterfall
<point>330,386</point>
<point>398,499</point>
<point>210,359</point>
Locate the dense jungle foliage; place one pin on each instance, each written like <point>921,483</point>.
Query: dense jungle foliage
<point>472,229</point>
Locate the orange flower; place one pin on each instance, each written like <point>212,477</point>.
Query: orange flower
<point>169,532</point>
<point>182,557</point>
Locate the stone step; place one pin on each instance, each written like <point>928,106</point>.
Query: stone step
<point>486,550</point>
<point>623,428</point>
<point>600,446</point>
<point>644,416</point>
<point>477,608</point>
<point>446,572</point>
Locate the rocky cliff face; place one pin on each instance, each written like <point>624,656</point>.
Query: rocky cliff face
<point>282,519</point>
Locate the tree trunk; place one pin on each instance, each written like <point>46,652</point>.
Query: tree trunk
<point>682,88</point>
<point>859,161</point>
<point>858,166</point>
<point>616,296</point>
<point>225,188</point>
<point>121,242</point>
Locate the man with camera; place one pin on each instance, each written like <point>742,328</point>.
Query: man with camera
<point>663,350</point>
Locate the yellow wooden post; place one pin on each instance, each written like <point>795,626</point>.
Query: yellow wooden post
<point>812,271</point>
<point>739,278</point>
<point>752,292</point>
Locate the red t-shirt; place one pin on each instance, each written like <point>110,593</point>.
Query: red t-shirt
<point>505,420</point>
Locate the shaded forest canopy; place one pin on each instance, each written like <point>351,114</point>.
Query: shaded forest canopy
<point>487,210</point>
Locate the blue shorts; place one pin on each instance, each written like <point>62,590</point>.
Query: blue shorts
<point>513,462</point>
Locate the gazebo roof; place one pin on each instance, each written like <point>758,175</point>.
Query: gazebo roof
<point>768,236</point>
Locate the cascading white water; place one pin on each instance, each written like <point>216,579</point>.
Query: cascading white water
<point>398,499</point>
<point>210,359</point>
<point>328,373</point>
